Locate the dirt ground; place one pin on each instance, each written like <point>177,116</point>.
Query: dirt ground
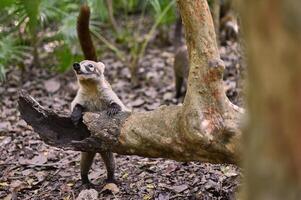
<point>30,169</point>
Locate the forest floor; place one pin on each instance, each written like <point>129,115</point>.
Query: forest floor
<point>30,169</point>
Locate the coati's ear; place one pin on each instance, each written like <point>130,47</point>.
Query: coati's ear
<point>101,67</point>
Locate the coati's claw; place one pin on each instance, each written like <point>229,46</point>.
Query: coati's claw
<point>75,119</point>
<point>113,109</point>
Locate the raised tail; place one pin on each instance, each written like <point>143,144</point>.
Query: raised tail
<point>84,35</point>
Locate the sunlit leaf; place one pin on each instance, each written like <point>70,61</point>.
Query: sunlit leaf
<point>32,10</point>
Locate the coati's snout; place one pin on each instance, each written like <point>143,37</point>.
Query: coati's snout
<point>76,66</point>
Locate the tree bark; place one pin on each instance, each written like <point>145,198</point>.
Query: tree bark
<point>206,128</point>
<point>272,156</point>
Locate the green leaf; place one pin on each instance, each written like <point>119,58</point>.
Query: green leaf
<point>11,52</point>
<point>99,8</point>
<point>6,3</point>
<point>31,8</point>
<point>68,27</point>
<point>2,72</point>
<point>159,6</point>
<point>65,58</point>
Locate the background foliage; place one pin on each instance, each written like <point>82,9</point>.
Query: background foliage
<point>38,29</point>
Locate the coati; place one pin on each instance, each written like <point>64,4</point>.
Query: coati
<point>229,31</point>
<point>229,28</point>
<point>181,60</point>
<point>181,69</point>
<point>94,94</point>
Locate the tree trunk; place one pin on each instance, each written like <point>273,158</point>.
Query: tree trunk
<point>273,154</point>
<point>205,128</point>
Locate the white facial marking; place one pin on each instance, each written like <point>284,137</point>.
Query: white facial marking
<point>101,66</point>
<point>83,69</point>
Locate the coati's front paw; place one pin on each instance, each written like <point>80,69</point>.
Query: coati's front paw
<point>77,114</point>
<point>113,109</point>
<point>76,118</point>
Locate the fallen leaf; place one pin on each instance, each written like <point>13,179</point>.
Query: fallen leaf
<point>137,102</point>
<point>4,126</point>
<point>70,184</point>
<point>171,168</point>
<point>88,195</point>
<point>27,172</point>
<point>150,186</point>
<point>179,188</point>
<point>163,197</point>
<point>8,197</point>
<point>125,175</point>
<point>41,175</point>
<point>52,85</point>
<point>3,184</point>
<point>147,197</point>
<point>16,185</point>
<point>30,181</point>
<point>168,96</point>
<point>5,141</point>
<point>37,160</point>
<point>22,123</point>
<point>229,171</point>
<point>94,175</point>
<point>112,187</point>
<point>67,197</point>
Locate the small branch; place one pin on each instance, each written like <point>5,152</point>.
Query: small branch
<point>111,46</point>
<point>111,15</point>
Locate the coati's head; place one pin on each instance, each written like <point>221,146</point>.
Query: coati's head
<point>88,70</point>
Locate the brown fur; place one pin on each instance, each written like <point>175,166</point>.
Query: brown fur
<point>84,35</point>
<point>181,69</point>
<point>181,60</point>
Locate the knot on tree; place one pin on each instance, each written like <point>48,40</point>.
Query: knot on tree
<point>216,68</point>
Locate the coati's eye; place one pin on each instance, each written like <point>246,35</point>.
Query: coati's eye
<point>90,65</point>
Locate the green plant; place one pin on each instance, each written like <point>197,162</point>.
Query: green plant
<point>11,53</point>
<point>35,22</point>
<point>137,41</point>
<point>159,6</point>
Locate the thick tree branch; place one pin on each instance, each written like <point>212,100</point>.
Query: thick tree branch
<point>148,134</point>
